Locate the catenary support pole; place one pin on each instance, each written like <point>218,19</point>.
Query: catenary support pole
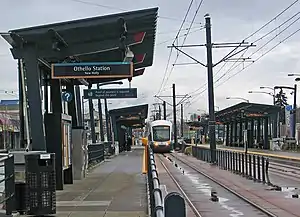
<point>174,116</point>
<point>211,106</point>
<point>92,119</point>
<point>100,117</point>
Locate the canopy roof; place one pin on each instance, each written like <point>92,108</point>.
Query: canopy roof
<point>96,39</point>
<point>249,110</point>
<point>134,116</point>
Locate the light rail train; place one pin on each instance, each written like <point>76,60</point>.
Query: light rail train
<point>159,134</point>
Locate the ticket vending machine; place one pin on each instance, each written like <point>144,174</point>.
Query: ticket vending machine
<point>58,129</point>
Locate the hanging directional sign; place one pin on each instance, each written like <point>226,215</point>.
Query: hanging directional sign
<point>67,97</point>
<point>92,70</point>
<point>110,93</point>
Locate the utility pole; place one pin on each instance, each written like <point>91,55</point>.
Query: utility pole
<point>181,106</point>
<point>100,117</point>
<point>174,116</point>
<point>91,111</point>
<point>165,110</point>
<point>209,65</point>
<point>159,112</point>
<point>294,112</point>
<point>211,103</point>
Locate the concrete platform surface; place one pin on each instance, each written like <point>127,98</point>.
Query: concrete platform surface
<point>115,188</point>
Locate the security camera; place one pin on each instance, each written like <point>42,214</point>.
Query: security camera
<point>129,55</point>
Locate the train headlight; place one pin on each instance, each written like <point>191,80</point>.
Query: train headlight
<point>155,143</point>
<point>168,143</point>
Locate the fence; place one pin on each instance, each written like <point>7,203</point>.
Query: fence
<point>156,200</point>
<point>95,153</point>
<point>251,166</point>
<point>7,182</point>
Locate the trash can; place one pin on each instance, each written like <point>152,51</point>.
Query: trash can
<point>20,197</point>
<point>40,184</point>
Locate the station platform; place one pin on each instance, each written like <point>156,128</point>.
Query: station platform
<point>269,153</point>
<point>116,187</point>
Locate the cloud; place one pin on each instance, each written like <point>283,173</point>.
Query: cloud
<point>232,21</point>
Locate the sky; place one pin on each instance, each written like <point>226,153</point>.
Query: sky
<point>232,21</point>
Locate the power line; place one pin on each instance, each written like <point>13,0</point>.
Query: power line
<point>285,39</point>
<point>193,20</point>
<point>254,33</point>
<point>176,37</point>
<point>262,37</point>
<point>122,9</point>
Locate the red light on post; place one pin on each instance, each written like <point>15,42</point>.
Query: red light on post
<point>199,117</point>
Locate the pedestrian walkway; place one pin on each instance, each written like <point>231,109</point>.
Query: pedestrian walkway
<point>115,188</point>
<point>277,154</point>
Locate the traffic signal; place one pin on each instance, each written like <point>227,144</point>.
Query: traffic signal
<point>199,117</point>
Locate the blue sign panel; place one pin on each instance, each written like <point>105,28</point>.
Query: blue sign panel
<point>289,107</point>
<point>110,93</point>
<point>67,97</point>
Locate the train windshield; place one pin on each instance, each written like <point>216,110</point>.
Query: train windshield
<point>161,133</point>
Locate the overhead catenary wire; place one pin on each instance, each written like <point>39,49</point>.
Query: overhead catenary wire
<point>254,33</point>
<point>170,53</point>
<point>262,37</point>
<point>177,56</point>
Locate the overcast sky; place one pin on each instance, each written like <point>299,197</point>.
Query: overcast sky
<point>232,21</point>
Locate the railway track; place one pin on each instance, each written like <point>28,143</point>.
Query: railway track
<point>197,210</point>
<point>259,210</point>
<point>285,170</point>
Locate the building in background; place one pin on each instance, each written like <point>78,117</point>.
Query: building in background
<point>9,124</point>
<point>87,124</point>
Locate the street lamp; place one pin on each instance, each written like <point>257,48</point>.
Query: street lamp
<point>240,98</point>
<point>264,92</point>
<point>270,88</point>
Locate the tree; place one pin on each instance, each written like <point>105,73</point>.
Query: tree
<point>281,99</point>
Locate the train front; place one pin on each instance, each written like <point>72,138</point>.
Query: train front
<point>161,139</point>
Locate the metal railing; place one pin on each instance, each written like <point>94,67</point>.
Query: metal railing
<point>7,182</point>
<point>250,166</point>
<point>156,199</point>
<point>95,153</point>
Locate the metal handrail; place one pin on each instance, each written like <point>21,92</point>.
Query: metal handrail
<point>156,200</point>
<point>96,153</point>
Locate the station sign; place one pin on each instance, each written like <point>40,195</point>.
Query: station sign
<point>92,70</point>
<point>110,93</point>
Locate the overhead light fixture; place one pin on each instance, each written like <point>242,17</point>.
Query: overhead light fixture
<point>83,81</point>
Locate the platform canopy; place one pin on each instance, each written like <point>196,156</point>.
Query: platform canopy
<point>133,117</point>
<point>96,39</point>
<point>249,110</point>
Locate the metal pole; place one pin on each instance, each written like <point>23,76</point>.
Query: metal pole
<point>100,117</point>
<point>91,111</point>
<point>159,112</point>
<point>165,110</point>
<point>181,107</point>
<point>83,118</point>
<point>21,108</point>
<point>106,120</point>
<point>174,116</point>
<point>212,121</point>
<point>78,106</point>
<point>294,114</point>
<point>274,97</point>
